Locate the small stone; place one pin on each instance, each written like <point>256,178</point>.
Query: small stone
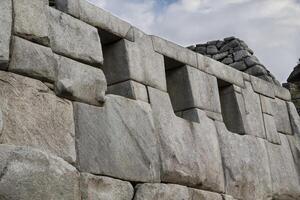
<point>227,61</point>
<point>229,38</point>
<point>240,55</point>
<point>240,65</point>
<point>212,49</point>
<point>256,70</point>
<point>220,56</point>
<point>251,61</point>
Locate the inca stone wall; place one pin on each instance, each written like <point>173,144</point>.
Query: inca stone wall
<point>235,52</point>
<point>92,108</point>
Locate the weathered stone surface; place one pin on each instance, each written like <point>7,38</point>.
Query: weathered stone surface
<point>189,152</point>
<point>211,49</point>
<point>246,166</point>
<point>262,87</point>
<point>33,116</point>
<point>240,55</point>
<point>136,61</point>
<point>267,105</point>
<point>118,140</point>
<point>80,82</point>
<point>294,118</point>
<point>129,89</point>
<point>31,20</point>
<point>271,131</point>
<point>214,115</point>
<point>189,88</point>
<point>33,60</point>
<point>172,192</point>
<point>74,38</point>
<point>100,188</point>
<point>174,51</point>
<point>5,31</point>
<point>284,176</point>
<point>239,65</point>
<point>194,115</point>
<point>282,93</point>
<point>30,174</point>
<point>256,70</point>
<point>253,112</point>
<point>68,6</point>
<point>281,116</point>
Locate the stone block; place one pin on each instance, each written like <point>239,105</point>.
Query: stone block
<point>136,61</point>
<point>281,115</point>
<point>189,152</point>
<point>239,55</point>
<point>294,118</point>
<point>284,176</point>
<point>267,105</point>
<point>246,166</point>
<point>214,115</point>
<point>5,32</point>
<point>33,60</point>
<point>262,87</point>
<point>189,88</point>
<point>129,89</point>
<point>282,93</point>
<point>204,195</point>
<point>31,20</point>
<point>221,71</point>
<point>194,115</point>
<point>118,140</point>
<point>174,51</point>
<point>271,131</point>
<point>64,30</point>
<point>80,82</point>
<point>101,188</point>
<point>68,6</point>
<point>30,174</point>
<point>33,116</point>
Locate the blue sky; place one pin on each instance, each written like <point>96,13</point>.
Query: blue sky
<point>270,27</point>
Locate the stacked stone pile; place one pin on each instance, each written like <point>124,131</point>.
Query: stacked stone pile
<point>92,108</point>
<point>235,53</point>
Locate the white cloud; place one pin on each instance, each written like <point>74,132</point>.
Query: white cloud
<point>270,27</point>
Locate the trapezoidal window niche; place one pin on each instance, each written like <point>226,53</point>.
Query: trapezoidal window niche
<point>232,107</point>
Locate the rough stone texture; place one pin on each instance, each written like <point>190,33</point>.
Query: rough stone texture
<point>246,166</point>
<point>271,131</point>
<point>64,30</point>
<point>262,87</point>
<point>189,151</point>
<point>31,20</point>
<point>41,65</point>
<point>118,140</point>
<point>188,88</point>
<point>136,61</point>
<point>102,188</point>
<point>33,116</point>
<point>80,82</point>
<point>29,174</point>
<point>281,116</point>
<point>129,89</point>
<point>5,31</point>
<point>267,105</point>
<point>284,176</point>
<point>68,6</point>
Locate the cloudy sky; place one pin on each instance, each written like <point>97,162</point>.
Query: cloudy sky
<point>270,27</point>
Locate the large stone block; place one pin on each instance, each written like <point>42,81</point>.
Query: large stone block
<point>5,31</point>
<point>263,87</point>
<point>68,6</point>
<point>189,88</point>
<point>33,116</point>
<point>294,118</point>
<point>136,61</point>
<point>29,174</point>
<point>282,93</point>
<point>80,82</point>
<point>31,20</point>
<point>267,105</point>
<point>284,176</point>
<point>281,116</point>
<point>271,131</point>
<point>189,152</point>
<point>118,140</point>
<point>102,188</point>
<point>33,60</point>
<point>73,38</point>
<point>246,166</point>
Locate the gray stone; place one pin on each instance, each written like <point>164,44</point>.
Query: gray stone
<point>189,87</point>
<point>246,166</point>
<point>212,49</point>
<point>194,115</point>
<point>256,70</point>
<point>251,61</point>
<point>294,118</point>
<point>282,93</point>
<point>267,105</point>
<point>204,195</point>
<point>239,65</point>
<point>80,82</point>
<point>68,6</point>
<point>262,87</point>
<point>64,30</point>
<point>33,116</point>
<point>31,20</point>
<point>129,89</point>
<point>214,115</point>
<point>227,61</point>
<point>189,152</point>
<point>240,55</point>
<point>281,115</point>
<point>136,61</point>
<point>220,56</point>
<point>230,45</point>
<point>101,188</point>
<point>118,140</point>
<point>30,174</point>
<point>284,176</point>
<point>271,131</point>
<point>33,60</point>
<point>5,32</point>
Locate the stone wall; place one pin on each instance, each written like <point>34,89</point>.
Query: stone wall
<point>235,52</point>
<point>93,108</point>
